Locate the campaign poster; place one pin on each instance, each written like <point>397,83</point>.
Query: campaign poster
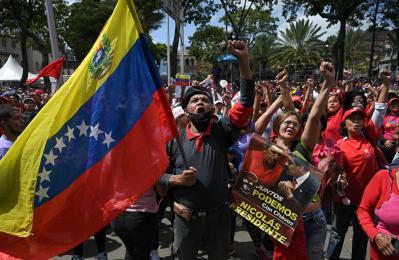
<point>273,188</point>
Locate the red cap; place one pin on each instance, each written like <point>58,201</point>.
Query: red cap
<point>296,99</point>
<point>353,111</point>
<point>4,100</point>
<point>392,100</point>
<point>39,92</point>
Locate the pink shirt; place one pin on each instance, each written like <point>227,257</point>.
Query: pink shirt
<point>146,203</point>
<point>390,125</point>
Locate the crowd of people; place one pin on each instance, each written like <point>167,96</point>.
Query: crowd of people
<point>348,129</point>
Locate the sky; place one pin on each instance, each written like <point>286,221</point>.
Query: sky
<point>160,35</point>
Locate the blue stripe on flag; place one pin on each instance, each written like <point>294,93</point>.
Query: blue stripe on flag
<point>99,124</point>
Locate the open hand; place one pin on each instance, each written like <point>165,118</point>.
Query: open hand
<point>347,74</point>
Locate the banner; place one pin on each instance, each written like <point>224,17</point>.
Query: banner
<point>273,189</point>
<point>182,83</point>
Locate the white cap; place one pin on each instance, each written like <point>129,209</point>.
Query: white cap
<point>177,111</point>
<point>218,101</point>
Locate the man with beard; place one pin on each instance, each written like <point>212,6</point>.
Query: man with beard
<point>201,191</point>
<point>12,125</point>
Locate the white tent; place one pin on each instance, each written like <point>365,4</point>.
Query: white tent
<point>12,71</point>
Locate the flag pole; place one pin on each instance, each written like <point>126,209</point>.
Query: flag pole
<point>55,51</point>
<point>183,155</point>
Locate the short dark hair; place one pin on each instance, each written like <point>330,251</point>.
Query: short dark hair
<point>359,94</point>
<point>6,111</point>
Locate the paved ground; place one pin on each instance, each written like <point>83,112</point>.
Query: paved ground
<point>243,245</point>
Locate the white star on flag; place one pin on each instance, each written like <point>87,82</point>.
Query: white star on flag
<point>42,193</point>
<point>94,131</point>
<point>44,175</point>
<point>83,128</point>
<point>70,134</point>
<point>60,144</point>
<point>50,158</point>
<point>108,139</point>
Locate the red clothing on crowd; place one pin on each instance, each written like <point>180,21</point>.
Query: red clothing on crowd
<point>360,162</point>
<point>381,190</point>
<point>297,247</point>
<point>331,134</point>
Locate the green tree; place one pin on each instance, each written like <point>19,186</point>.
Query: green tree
<point>237,13</point>
<point>206,43</point>
<point>27,20</point>
<point>261,51</point>
<point>335,11</point>
<point>85,22</point>
<point>257,22</point>
<point>87,18</point>
<point>357,48</point>
<point>195,12</point>
<point>160,51</point>
<point>299,46</point>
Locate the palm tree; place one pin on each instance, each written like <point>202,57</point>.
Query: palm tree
<point>261,51</point>
<point>393,40</point>
<point>299,46</point>
<point>357,48</point>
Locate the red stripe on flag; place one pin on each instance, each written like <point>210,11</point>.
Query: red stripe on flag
<point>102,192</point>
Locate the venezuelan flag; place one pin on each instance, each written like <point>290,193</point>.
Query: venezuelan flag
<point>95,148</point>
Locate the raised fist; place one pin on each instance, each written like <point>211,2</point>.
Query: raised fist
<point>282,78</point>
<point>386,76</point>
<point>239,49</point>
<point>327,70</point>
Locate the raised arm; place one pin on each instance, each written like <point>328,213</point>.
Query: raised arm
<point>348,81</point>
<point>240,114</point>
<point>311,133</point>
<point>257,101</point>
<point>264,119</point>
<point>285,93</point>
<point>380,104</point>
<point>308,94</point>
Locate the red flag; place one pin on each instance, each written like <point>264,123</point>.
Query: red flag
<point>51,70</point>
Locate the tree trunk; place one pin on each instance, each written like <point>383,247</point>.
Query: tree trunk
<point>24,60</point>
<point>373,40</point>
<point>341,49</point>
<point>173,52</point>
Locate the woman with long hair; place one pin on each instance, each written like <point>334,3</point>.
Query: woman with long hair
<point>301,141</point>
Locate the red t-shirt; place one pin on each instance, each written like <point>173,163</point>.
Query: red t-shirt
<point>360,162</point>
<point>333,123</point>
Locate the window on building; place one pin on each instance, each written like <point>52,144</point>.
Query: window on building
<point>187,62</point>
<point>14,44</point>
<point>192,62</point>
